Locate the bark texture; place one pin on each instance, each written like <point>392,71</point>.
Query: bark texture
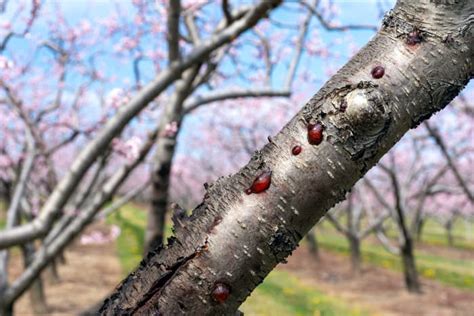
<point>233,240</point>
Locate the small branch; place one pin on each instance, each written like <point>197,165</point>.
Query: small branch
<point>330,27</point>
<point>386,243</point>
<point>336,224</point>
<point>442,146</point>
<point>374,225</point>
<point>192,29</point>
<point>226,10</point>
<point>196,102</point>
<point>298,50</point>
<point>174,13</point>
<point>267,57</point>
<point>122,201</point>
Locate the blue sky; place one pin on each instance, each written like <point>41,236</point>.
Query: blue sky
<point>351,12</point>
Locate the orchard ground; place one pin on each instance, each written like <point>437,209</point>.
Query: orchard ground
<point>303,286</point>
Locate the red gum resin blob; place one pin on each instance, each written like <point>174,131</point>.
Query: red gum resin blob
<point>220,292</point>
<point>296,150</point>
<point>315,133</point>
<point>377,72</point>
<point>261,183</point>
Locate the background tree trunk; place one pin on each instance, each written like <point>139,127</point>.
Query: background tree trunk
<point>354,244</point>
<point>313,243</point>
<point>162,162</point>
<point>449,232</point>
<point>419,229</point>
<point>233,239</point>
<point>409,267</point>
<point>37,296</point>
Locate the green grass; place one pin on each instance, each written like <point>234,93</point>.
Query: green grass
<point>3,210</point>
<point>463,234</point>
<point>433,233</point>
<point>280,293</point>
<point>131,221</point>
<point>455,272</point>
<point>283,294</point>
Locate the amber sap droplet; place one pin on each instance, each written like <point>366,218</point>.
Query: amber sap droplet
<point>315,133</point>
<point>296,150</point>
<point>261,183</point>
<point>378,72</point>
<point>220,292</point>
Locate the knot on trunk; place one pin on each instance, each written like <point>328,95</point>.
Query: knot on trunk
<point>365,111</point>
<point>365,119</point>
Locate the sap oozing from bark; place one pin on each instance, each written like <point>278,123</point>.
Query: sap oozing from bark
<point>377,72</point>
<point>315,133</point>
<point>261,183</point>
<point>296,150</point>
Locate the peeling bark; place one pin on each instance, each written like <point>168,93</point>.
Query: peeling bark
<point>235,239</point>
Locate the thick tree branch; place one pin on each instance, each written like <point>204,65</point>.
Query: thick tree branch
<point>13,212</point>
<point>234,239</point>
<point>55,244</point>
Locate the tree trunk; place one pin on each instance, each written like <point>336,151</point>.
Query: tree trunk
<point>449,233</point>
<point>233,239</point>
<point>6,193</point>
<point>354,244</point>
<point>37,296</point>
<point>419,229</point>
<point>409,267</point>
<point>53,273</point>
<point>6,310</point>
<point>313,243</point>
<point>165,149</point>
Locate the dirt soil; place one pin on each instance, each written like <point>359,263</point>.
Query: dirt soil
<point>91,272</point>
<point>381,290</point>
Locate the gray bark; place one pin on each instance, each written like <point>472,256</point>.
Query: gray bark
<point>233,240</point>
